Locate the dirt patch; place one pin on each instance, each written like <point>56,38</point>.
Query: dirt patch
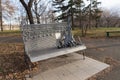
<point>100,49</point>
<point>113,64</point>
<point>8,48</point>
<point>12,62</point>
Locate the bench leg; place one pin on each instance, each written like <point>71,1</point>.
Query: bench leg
<point>83,54</point>
<point>107,34</point>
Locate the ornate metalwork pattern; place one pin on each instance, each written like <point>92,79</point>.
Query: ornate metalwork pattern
<point>40,40</point>
<point>35,31</point>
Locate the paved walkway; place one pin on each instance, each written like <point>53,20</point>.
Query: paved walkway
<point>71,67</point>
<point>11,39</point>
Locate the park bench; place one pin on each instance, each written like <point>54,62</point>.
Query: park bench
<point>108,33</point>
<point>41,41</point>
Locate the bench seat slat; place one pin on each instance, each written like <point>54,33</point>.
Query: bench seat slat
<point>53,52</point>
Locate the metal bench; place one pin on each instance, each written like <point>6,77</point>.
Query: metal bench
<point>108,33</point>
<point>41,40</point>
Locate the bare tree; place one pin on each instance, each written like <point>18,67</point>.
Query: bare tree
<point>7,9</point>
<point>39,9</point>
<point>1,16</point>
<point>110,18</point>
<point>28,9</point>
<point>35,10</point>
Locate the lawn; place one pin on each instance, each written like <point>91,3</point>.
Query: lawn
<point>97,32</point>
<point>10,33</point>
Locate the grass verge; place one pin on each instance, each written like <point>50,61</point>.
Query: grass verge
<point>97,32</point>
<point>10,33</point>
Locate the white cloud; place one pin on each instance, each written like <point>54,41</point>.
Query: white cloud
<point>110,3</point>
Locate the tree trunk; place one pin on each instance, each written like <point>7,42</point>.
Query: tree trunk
<point>36,12</point>
<point>96,23</point>
<point>28,10</point>
<point>1,26</point>
<point>72,15</point>
<point>80,20</point>
<point>89,26</point>
<point>30,16</point>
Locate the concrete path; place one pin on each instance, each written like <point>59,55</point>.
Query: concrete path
<point>11,39</point>
<point>71,67</point>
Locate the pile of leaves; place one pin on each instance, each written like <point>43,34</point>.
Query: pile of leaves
<point>13,66</point>
<point>12,63</point>
<point>112,62</point>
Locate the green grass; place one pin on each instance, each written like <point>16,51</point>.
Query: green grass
<point>10,33</point>
<point>76,32</point>
<point>97,32</point>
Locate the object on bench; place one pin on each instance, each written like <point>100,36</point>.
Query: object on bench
<point>43,41</point>
<point>108,33</point>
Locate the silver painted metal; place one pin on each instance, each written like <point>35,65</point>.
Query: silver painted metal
<point>40,40</point>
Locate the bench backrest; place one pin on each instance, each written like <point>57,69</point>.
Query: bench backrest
<point>41,36</point>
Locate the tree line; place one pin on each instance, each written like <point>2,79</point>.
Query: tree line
<point>84,15</point>
<point>7,9</point>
